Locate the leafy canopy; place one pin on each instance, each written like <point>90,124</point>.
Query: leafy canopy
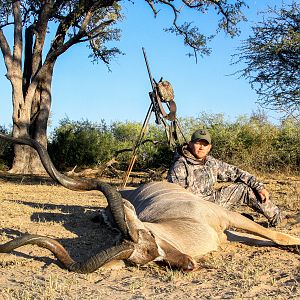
<point>74,21</point>
<point>272,59</point>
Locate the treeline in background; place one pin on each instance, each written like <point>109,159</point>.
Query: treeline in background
<point>252,143</point>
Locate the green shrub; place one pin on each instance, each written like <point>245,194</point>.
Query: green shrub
<point>88,144</point>
<point>82,143</point>
<point>286,144</point>
<point>251,143</point>
<point>6,151</point>
<point>152,154</point>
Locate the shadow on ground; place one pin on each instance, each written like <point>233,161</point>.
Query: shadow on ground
<point>90,237</point>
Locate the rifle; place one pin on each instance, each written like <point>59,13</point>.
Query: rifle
<point>154,94</point>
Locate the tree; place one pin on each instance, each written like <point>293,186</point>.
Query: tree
<point>30,63</point>
<point>77,22</point>
<point>272,58</point>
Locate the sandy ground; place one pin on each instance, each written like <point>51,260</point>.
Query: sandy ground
<point>38,206</point>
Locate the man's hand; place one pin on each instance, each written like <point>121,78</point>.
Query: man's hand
<point>264,195</point>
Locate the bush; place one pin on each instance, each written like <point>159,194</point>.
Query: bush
<point>286,144</point>
<point>84,144</point>
<point>150,155</point>
<point>87,144</point>
<point>6,151</point>
<point>251,143</point>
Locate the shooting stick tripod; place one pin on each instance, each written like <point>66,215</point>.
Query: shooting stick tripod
<point>160,115</point>
<point>171,136</point>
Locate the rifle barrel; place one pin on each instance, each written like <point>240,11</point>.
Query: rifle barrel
<point>152,94</point>
<point>148,69</point>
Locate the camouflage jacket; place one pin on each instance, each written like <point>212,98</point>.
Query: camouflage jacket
<point>199,176</point>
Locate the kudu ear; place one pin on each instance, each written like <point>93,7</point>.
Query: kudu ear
<point>132,221</point>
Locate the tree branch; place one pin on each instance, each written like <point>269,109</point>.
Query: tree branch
<point>6,52</point>
<point>17,52</point>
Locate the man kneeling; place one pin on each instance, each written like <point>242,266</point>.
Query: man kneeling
<point>197,171</point>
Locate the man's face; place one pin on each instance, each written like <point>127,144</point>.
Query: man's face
<point>200,148</point>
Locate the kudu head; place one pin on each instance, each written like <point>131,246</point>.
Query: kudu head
<point>137,243</point>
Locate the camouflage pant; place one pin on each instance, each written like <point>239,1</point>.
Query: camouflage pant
<point>239,193</point>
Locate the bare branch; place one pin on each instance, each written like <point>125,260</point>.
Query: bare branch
<point>151,4</point>
<point>6,52</point>
<point>17,52</point>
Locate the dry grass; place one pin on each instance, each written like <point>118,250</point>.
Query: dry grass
<point>38,206</point>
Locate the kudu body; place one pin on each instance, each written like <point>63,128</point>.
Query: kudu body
<point>157,221</point>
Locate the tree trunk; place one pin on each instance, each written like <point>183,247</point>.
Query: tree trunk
<point>26,161</point>
<point>33,125</point>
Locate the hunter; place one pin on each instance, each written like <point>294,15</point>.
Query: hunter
<point>197,172</point>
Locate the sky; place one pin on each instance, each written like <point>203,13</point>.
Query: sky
<point>82,90</point>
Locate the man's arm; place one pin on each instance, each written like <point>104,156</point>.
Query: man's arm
<point>264,195</point>
<point>254,183</point>
<point>227,172</point>
<point>178,173</point>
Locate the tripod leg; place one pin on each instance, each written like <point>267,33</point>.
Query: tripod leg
<point>137,145</point>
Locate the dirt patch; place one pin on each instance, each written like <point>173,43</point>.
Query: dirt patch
<point>38,206</point>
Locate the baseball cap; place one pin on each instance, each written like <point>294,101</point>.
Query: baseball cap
<point>201,134</point>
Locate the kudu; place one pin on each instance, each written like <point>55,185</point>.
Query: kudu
<point>157,221</point>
